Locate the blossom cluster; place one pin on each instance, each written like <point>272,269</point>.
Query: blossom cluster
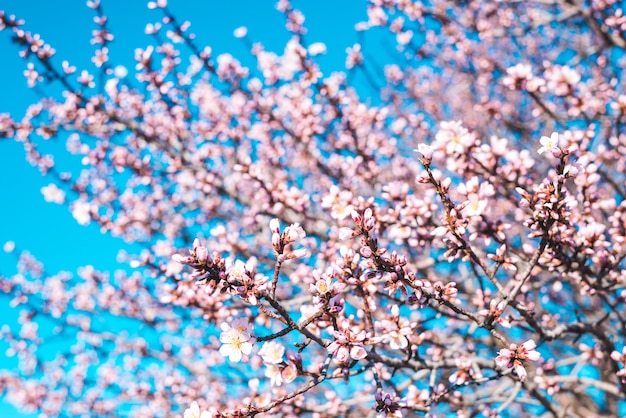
<point>293,257</point>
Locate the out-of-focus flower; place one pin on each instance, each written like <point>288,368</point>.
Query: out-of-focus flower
<point>317,48</point>
<point>453,137</point>
<point>51,193</point>
<point>8,247</point>
<point>520,77</point>
<point>426,151</point>
<point>86,79</point>
<point>81,212</point>
<point>355,56</point>
<point>194,412</point>
<point>240,32</point>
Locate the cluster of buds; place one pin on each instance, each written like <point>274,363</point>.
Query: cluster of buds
<point>388,405</point>
<point>208,268</point>
<point>515,355</point>
<point>348,345</point>
<point>446,291</point>
<point>496,309</point>
<point>236,278</point>
<point>365,223</point>
<point>281,242</point>
<point>466,372</point>
<point>327,294</point>
<point>242,280</point>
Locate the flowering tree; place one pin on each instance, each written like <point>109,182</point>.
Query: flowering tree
<point>300,258</point>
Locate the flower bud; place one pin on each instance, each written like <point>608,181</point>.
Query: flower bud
<point>181,259</point>
<point>202,254</point>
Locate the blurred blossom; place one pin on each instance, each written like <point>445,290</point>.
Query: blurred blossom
<point>317,48</point>
<point>8,247</point>
<point>51,193</point>
<point>194,412</point>
<point>240,32</point>
<point>81,212</point>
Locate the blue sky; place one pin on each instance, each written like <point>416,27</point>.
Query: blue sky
<point>47,230</point>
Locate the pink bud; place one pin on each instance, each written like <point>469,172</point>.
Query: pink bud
<point>521,371</point>
<point>346,233</point>
<point>276,240</point>
<point>202,254</point>
<point>299,253</point>
<point>181,259</point>
<point>366,252</point>
<point>275,226</point>
<point>356,217</point>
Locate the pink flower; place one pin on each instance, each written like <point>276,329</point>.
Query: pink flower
<point>86,79</point>
<point>355,56</point>
<point>348,344</point>
<point>515,355</point>
<point>293,233</point>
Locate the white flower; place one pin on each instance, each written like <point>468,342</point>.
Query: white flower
<point>453,137</point>
<point>397,340</point>
<point>194,412</point>
<point>238,271</point>
<point>8,247</point>
<point>273,372</point>
<point>272,352</point>
<point>120,71</point>
<point>293,233</point>
<point>236,340</point>
<point>550,143</point>
<point>475,205</point>
<point>425,150</point>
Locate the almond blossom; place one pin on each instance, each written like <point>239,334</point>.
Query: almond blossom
<point>388,279</point>
<point>194,412</point>
<point>515,355</point>
<point>272,352</point>
<point>550,144</point>
<point>348,345</point>
<point>236,340</point>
